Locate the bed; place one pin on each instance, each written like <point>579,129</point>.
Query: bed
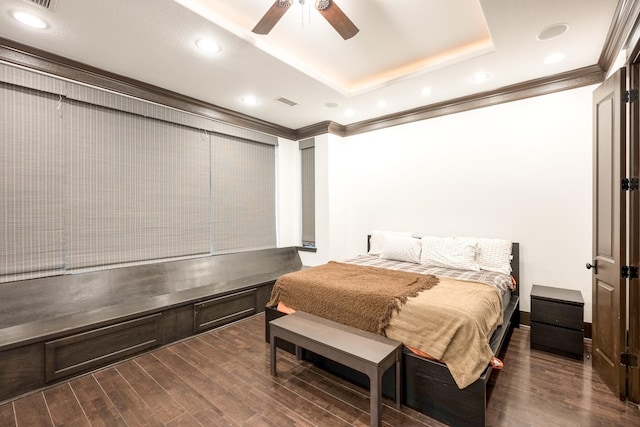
<point>429,385</point>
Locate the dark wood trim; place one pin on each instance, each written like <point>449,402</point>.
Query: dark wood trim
<point>39,60</point>
<point>633,43</point>
<point>623,26</point>
<point>542,86</point>
<point>320,129</point>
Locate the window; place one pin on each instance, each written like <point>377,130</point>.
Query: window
<point>91,179</point>
<point>31,183</point>
<point>243,192</point>
<point>307,155</point>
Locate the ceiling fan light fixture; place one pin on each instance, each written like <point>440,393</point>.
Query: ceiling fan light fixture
<point>322,4</point>
<point>285,3</point>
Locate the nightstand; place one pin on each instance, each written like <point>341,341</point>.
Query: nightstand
<point>557,317</point>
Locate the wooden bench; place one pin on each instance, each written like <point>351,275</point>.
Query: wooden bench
<point>363,351</point>
<point>57,327</point>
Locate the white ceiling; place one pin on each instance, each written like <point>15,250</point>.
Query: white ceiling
<point>403,47</point>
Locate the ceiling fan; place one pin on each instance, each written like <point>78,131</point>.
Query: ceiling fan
<point>327,8</point>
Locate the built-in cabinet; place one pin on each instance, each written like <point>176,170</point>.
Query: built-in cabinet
<point>37,354</point>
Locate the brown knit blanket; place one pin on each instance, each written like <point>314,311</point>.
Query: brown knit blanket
<point>358,296</point>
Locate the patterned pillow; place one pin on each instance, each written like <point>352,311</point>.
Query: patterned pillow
<point>448,252</point>
<point>375,242</point>
<point>400,248</point>
<point>492,254</point>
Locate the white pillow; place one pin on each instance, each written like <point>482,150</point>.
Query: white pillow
<point>448,252</point>
<point>400,248</point>
<point>492,254</point>
<point>375,242</point>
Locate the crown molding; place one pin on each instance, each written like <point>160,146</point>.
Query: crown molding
<point>542,86</point>
<point>49,63</point>
<point>623,28</point>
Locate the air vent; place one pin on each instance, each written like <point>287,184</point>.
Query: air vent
<point>47,4</point>
<point>289,102</point>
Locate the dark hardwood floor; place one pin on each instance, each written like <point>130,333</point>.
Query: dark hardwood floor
<point>221,378</point>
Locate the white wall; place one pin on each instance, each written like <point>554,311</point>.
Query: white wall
<point>520,171</point>
<point>289,193</point>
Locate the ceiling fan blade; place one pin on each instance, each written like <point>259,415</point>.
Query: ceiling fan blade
<point>271,18</point>
<point>341,22</point>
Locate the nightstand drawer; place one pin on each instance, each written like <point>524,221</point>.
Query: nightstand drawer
<point>557,313</point>
<point>554,339</point>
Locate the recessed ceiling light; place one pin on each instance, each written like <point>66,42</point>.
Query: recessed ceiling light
<point>332,105</point>
<point>250,100</point>
<point>208,45</point>
<point>553,58</point>
<point>382,103</point>
<point>426,91</point>
<point>552,32</point>
<point>349,112</point>
<point>30,20</point>
<point>480,77</point>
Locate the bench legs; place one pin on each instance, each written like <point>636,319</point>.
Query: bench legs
<point>374,373</point>
<point>375,396</point>
<point>375,390</point>
<point>272,355</point>
<point>375,383</point>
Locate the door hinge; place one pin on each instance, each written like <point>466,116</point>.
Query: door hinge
<point>629,272</point>
<point>628,360</point>
<point>630,184</point>
<point>630,96</point>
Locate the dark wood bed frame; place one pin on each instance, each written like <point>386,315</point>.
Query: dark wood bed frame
<point>427,385</point>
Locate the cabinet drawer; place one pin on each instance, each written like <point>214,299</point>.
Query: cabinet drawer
<point>557,313</point>
<point>554,339</point>
<point>89,350</point>
<point>220,311</point>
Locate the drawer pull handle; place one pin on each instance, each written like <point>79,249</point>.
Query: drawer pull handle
<point>594,266</point>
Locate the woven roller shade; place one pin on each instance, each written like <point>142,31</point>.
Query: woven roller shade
<point>138,188</point>
<point>243,212</point>
<point>307,156</point>
<point>31,182</point>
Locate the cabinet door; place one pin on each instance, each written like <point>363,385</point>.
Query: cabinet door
<point>220,311</point>
<point>88,350</point>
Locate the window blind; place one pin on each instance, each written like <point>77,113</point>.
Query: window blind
<point>31,183</point>
<point>92,179</point>
<point>243,213</point>
<point>138,188</point>
<point>307,155</point>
